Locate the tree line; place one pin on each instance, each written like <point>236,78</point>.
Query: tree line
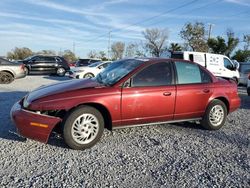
<point>194,35</point>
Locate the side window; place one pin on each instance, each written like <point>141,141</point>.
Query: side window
<point>188,73</point>
<point>158,74</point>
<point>205,77</point>
<point>228,64</point>
<point>49,59</point>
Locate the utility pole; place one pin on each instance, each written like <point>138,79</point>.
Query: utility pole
<point>74,47</point>
<point>210,30</point>
<point>109,48</point>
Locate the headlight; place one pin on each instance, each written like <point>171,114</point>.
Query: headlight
<point>25,103</point>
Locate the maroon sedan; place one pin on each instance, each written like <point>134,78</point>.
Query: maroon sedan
<point>129,92</point>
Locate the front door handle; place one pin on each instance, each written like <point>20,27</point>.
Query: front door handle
<point>206,90</point>
<point>167,93</point>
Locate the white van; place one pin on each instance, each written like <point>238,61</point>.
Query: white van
<point>219,65</point>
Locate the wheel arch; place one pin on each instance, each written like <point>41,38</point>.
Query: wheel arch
<point>8,71</point>
<point>103,110</point>
<point>224,100</point>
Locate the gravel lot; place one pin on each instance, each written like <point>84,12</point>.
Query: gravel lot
<point>171,155</point>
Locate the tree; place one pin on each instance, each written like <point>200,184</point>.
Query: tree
<point>102,56</point>
<point>175,47</point>
<point>69,55</point>
<point>155,40</point>
<point>92,54</point>
<point>195,36</point>
<point>19,53</point>
<point>232,42</point>
<point>217,45</point>
<point>46,52</point>
<point>134,50</point>
<point>246,39</point>
<point>117,50</point>
<point>242,55</point>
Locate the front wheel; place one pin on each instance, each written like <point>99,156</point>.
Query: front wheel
<point>215,115</point>
<point>83,128</point>
<point>60,71</point>
<point>89,75</point>
<point>6,78</point>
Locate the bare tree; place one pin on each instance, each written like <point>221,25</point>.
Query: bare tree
<point>117,50</point>
<point>195,36</point>
<point>92,54</point>
<point>155,40</point>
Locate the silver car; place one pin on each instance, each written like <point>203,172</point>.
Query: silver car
<point>10,71</point>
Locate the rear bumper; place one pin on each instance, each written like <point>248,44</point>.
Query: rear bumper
<point>32,125</point>
<point>234,104</point>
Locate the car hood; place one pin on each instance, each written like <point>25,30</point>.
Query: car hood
<point>57,88</point>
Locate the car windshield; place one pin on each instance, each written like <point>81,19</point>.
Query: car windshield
<point>28,58</point>
<point>117,70</point>
<point>95,64</point>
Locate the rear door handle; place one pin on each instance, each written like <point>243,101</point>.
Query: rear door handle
<point>206,90</point>
<point>167,93</point>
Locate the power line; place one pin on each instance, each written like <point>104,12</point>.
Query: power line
<point>146,20</point>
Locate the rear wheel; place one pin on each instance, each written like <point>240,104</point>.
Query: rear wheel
<point>60,71</point>
<point>83,128</point>
<point>215,115</point>
<point>89,75</point>
<point>6,78</point>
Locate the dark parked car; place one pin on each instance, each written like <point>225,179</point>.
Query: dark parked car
<point>41,64</point>
<point>127,93</point>
<point>85,62</point>
<point>10,71</point>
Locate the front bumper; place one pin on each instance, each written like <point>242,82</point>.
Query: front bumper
<point>32,125</point>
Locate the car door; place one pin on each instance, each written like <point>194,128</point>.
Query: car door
<point>50,64</point>
<point>35,64</point>
<point>194,89</point>
<point>149,96</point>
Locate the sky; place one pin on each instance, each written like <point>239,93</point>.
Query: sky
<point>86,25</point>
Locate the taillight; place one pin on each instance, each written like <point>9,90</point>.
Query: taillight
<point>22,66</point>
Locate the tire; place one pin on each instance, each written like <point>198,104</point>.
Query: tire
<point>60,71</point>
<point>212,121</point>
<point>89,75</point>
<point>6,78</point>
<point>26,70</point>
<point>78,132</point>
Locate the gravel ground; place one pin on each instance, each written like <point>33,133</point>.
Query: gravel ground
<point>170,155</point>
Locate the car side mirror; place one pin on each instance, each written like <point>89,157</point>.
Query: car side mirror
<point>127,84</point>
